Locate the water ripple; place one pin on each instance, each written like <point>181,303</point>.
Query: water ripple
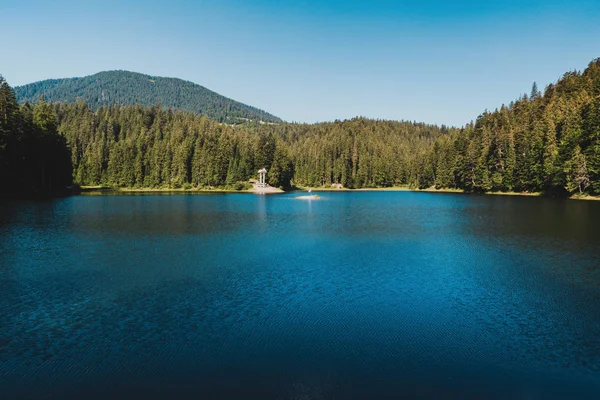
<point>362,295</point>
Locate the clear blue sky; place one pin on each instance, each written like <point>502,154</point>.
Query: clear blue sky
<point>439,61</point>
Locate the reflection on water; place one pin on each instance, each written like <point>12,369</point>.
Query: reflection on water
<point>363,295</point>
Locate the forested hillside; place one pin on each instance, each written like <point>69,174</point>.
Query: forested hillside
<point>135,146</point>
<point>130,88</point>
<point>149,147</point>
<point>546,142</point>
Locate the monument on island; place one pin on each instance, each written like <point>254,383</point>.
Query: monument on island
<point>262,177</point>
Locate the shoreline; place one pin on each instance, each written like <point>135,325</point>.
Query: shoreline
<point>456,191</point>
<point>273,190</point>
<point>108,190</point>
<point>105,189</point>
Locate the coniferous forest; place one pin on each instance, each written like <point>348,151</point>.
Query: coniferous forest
<point>546,141</point>
<point>34,157</point>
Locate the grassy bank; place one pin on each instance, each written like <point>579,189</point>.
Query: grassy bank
<point>92,189</point>
<point>244,189</point>
<point>446,190</point>
<point>100,188</point>
<point>584,197</point>
<point>343,189</point>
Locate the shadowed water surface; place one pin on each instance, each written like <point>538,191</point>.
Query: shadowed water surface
<point>356,295</point>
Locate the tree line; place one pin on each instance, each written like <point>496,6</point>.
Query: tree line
<point>34,157</point>
<point>547,142</point>
<point>148,147</point>
<point>543,142</point>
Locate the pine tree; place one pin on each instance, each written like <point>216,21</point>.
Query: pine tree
<point>534,92</point>
<point>578,178</point>
<point>590,142</point>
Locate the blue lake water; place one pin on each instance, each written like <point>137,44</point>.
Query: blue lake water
<point>356,295</point>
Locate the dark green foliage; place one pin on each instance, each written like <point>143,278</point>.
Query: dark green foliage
<point>130,88</point>
<point>242,186</point>
<point>282,169</point>
<point>590,141</point>
<point>134,146</point>
<point>359,152</point>
<point>34,158</point>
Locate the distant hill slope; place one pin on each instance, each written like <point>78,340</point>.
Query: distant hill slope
<point>129,88</point>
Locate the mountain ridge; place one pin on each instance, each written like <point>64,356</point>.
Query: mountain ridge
<point>120,87</point>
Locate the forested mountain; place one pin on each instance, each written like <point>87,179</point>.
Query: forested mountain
<point>130,88</point>
<point>547,142</point>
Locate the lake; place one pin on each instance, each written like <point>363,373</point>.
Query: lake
<point>356,295</point>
